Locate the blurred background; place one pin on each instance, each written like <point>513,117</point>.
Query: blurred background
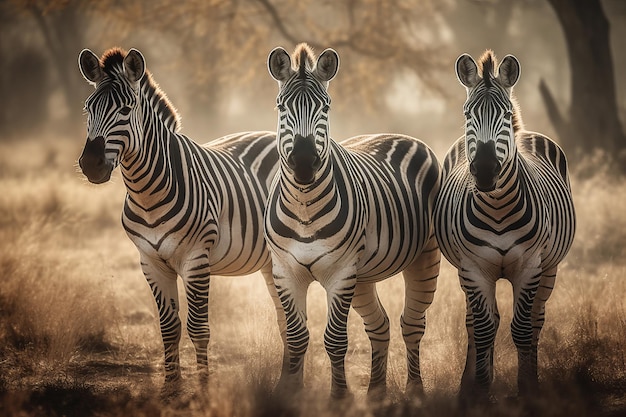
<point>397,63</point>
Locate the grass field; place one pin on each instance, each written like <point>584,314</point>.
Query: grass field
<point>79,333</point>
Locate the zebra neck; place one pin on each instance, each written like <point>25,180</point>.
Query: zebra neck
<point>156,168</point>
<point>305,202</point>
<point>507,186</point>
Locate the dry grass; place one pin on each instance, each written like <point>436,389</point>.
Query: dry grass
<point>79,334</point>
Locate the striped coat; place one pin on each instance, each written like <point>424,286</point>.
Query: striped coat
<point>505,210</point>
<point>347,215</point>
<point>191,210</point>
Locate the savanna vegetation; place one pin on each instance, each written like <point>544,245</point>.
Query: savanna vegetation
<point>79,332</point>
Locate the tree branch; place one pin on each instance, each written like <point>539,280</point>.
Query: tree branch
<point>347,42</point>
<point>554,114</point>
<point>278,22</point>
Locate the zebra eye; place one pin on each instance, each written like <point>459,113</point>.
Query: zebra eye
<point>508,114</point>
<point>280,107</point>
<point>124,111</point>
<point>326,108</point>
<point>467,114</point>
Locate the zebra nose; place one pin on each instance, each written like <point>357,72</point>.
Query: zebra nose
<point>485,168</point>
<point>493,168</point>
<point>93,162</point>
<point>312,161</point>
<point>304,160</point>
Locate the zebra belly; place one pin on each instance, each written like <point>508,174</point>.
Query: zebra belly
<point>315,259</point>
<point>510,255</point>
<point>226,256</point>
<point>168,250</point>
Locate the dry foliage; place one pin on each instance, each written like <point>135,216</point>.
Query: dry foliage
<point>79,333</point>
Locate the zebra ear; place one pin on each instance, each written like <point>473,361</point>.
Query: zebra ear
<point>467,71</point>
<point>134,65</point>
<point>509,71</point>
<point>89,65</point>
<point>279,64</point>
<point>327,65</point>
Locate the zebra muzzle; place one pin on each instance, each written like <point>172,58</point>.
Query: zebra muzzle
<point>485,168</point>
<point>93,161</point>
<point>304,160</point>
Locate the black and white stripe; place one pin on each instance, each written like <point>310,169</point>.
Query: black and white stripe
<point>347,215</point>
<point>191,210</point>
<point>505,210</point>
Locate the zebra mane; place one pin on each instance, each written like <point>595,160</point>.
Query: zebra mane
<point>487,64</point>
<point>303,58</point>
<point>112,62</point>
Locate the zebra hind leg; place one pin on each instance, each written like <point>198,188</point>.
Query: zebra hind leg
<point>197,281</point>
<point>367,304</point>
<point>420,280</point>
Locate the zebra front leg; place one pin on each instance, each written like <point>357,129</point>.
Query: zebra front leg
<point>367,304</point>
<point>420,280</point>
<point>481,301</point>
<point>266,271</point>
<point>469,373</point>
<point>162,281</point>
<point>339,297</point>
<point>197,279</point>
<point>528,320</point>
<point>292,295</point>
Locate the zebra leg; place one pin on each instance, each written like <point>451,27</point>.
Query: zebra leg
<point>162,281</point>
<point>420,280</point>
<point>266,271</point>
<point>292,294</point>
<point>197,280</point>
<point>469,374</point>
<point>367,304</point>
<point>339,293</point>
<point>528,320</point>
<point>481,300</point>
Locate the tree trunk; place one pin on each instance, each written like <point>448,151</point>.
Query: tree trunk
<point>63,31</point>
<point>593,119</point>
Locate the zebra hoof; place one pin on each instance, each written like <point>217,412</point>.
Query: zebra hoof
<point>287,388</point>
<point>469,398</point>
<point>343,395</point>
<point>376,393</point>
<point>414,391</point>
<point>171,389</point>
<point>203,378</point>
<point>341,401</point>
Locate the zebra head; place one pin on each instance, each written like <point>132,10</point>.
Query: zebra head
<point>112,110</point>
<point>491,115</point>
<point>303,104</point>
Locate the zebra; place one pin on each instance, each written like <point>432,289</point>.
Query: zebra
<point>505,210</point>
<point>346,215</point>
<point>190,210</point>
